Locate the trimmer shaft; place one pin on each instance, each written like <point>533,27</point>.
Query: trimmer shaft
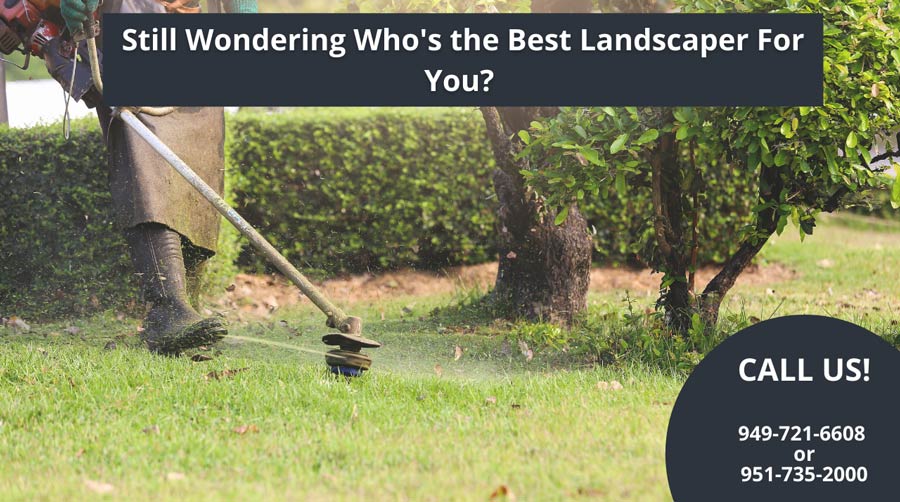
<point>348,360</point>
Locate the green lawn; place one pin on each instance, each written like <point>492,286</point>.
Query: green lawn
<point>76,419</point>
<point>73,413</point>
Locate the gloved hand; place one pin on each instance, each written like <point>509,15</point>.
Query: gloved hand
<point>241,6</point>
<point>76,12</point>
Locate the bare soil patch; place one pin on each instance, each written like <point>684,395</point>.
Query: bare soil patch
<point>263,294</point>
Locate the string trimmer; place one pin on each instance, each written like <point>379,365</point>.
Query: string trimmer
<point>35,24</point>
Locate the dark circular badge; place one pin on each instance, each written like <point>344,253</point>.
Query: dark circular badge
<point>795,408</point>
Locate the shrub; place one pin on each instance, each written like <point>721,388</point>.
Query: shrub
<point>61,253</point>
<point>349,190</point>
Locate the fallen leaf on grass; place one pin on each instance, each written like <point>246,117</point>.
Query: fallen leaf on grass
<point>99,486</point>
<point>79,453</point>
<point>503,492</point>
<point>614,385</point>
<point>457,353</point>
<point>199,358</point>
<point>175,476</point>
<point>243,429</point>
<point>825,263</point>
<point>230,288</point>
<point>153,429</point>
<point>490,400</point>
<point>219,375</point>
<point>590,492</point>
<point>438,369</point>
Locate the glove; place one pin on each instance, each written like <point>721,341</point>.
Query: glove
<point>76,12</point>
<point>241,7</point>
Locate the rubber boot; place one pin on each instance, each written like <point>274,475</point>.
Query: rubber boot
<point>195,260</point>
<point>172,325</point>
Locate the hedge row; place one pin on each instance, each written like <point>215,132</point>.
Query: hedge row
<point>349,190</point>
<point>61,254</point>
<point>354,190</point>
<point>60,251</point>
<point>340,190</point>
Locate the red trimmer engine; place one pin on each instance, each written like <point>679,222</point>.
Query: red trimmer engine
<point>34,27</point>
<point>28,25</point>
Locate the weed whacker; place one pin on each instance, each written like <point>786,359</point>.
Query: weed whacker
<point>348,358</point>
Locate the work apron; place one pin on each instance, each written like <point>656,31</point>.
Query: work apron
<point>144,187</point>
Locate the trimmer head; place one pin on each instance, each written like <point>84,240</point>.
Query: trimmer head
<point>348,360</point>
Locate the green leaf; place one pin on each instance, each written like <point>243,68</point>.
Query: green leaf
<point>781,158</point>
<point>648,136</point>
<point>620,183</point>
<point>619,144</point>
<point>682,133</point>
<point>590,155</point>
<point>525,137</point>
<point>895,192</point>
<point>786,129</point>
<point>561,216</point>
<point>852,140</point>
<point>581,132</point>
<point>782,222</point>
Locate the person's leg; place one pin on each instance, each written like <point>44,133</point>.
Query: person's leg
<point>172,325</point>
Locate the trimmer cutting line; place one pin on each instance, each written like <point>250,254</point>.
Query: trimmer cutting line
<point>342,361</point>
<point>23,23</point>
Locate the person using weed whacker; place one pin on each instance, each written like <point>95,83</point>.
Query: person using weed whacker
<point>171,230</point>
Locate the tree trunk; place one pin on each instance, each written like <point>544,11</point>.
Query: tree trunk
<point>669,224</point>
<point>544,268</point>
<point>770,186</point>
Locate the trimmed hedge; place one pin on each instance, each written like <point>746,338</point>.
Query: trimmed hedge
<point>350,190</point>
<point>340,190</point>
<point>60,252</point>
